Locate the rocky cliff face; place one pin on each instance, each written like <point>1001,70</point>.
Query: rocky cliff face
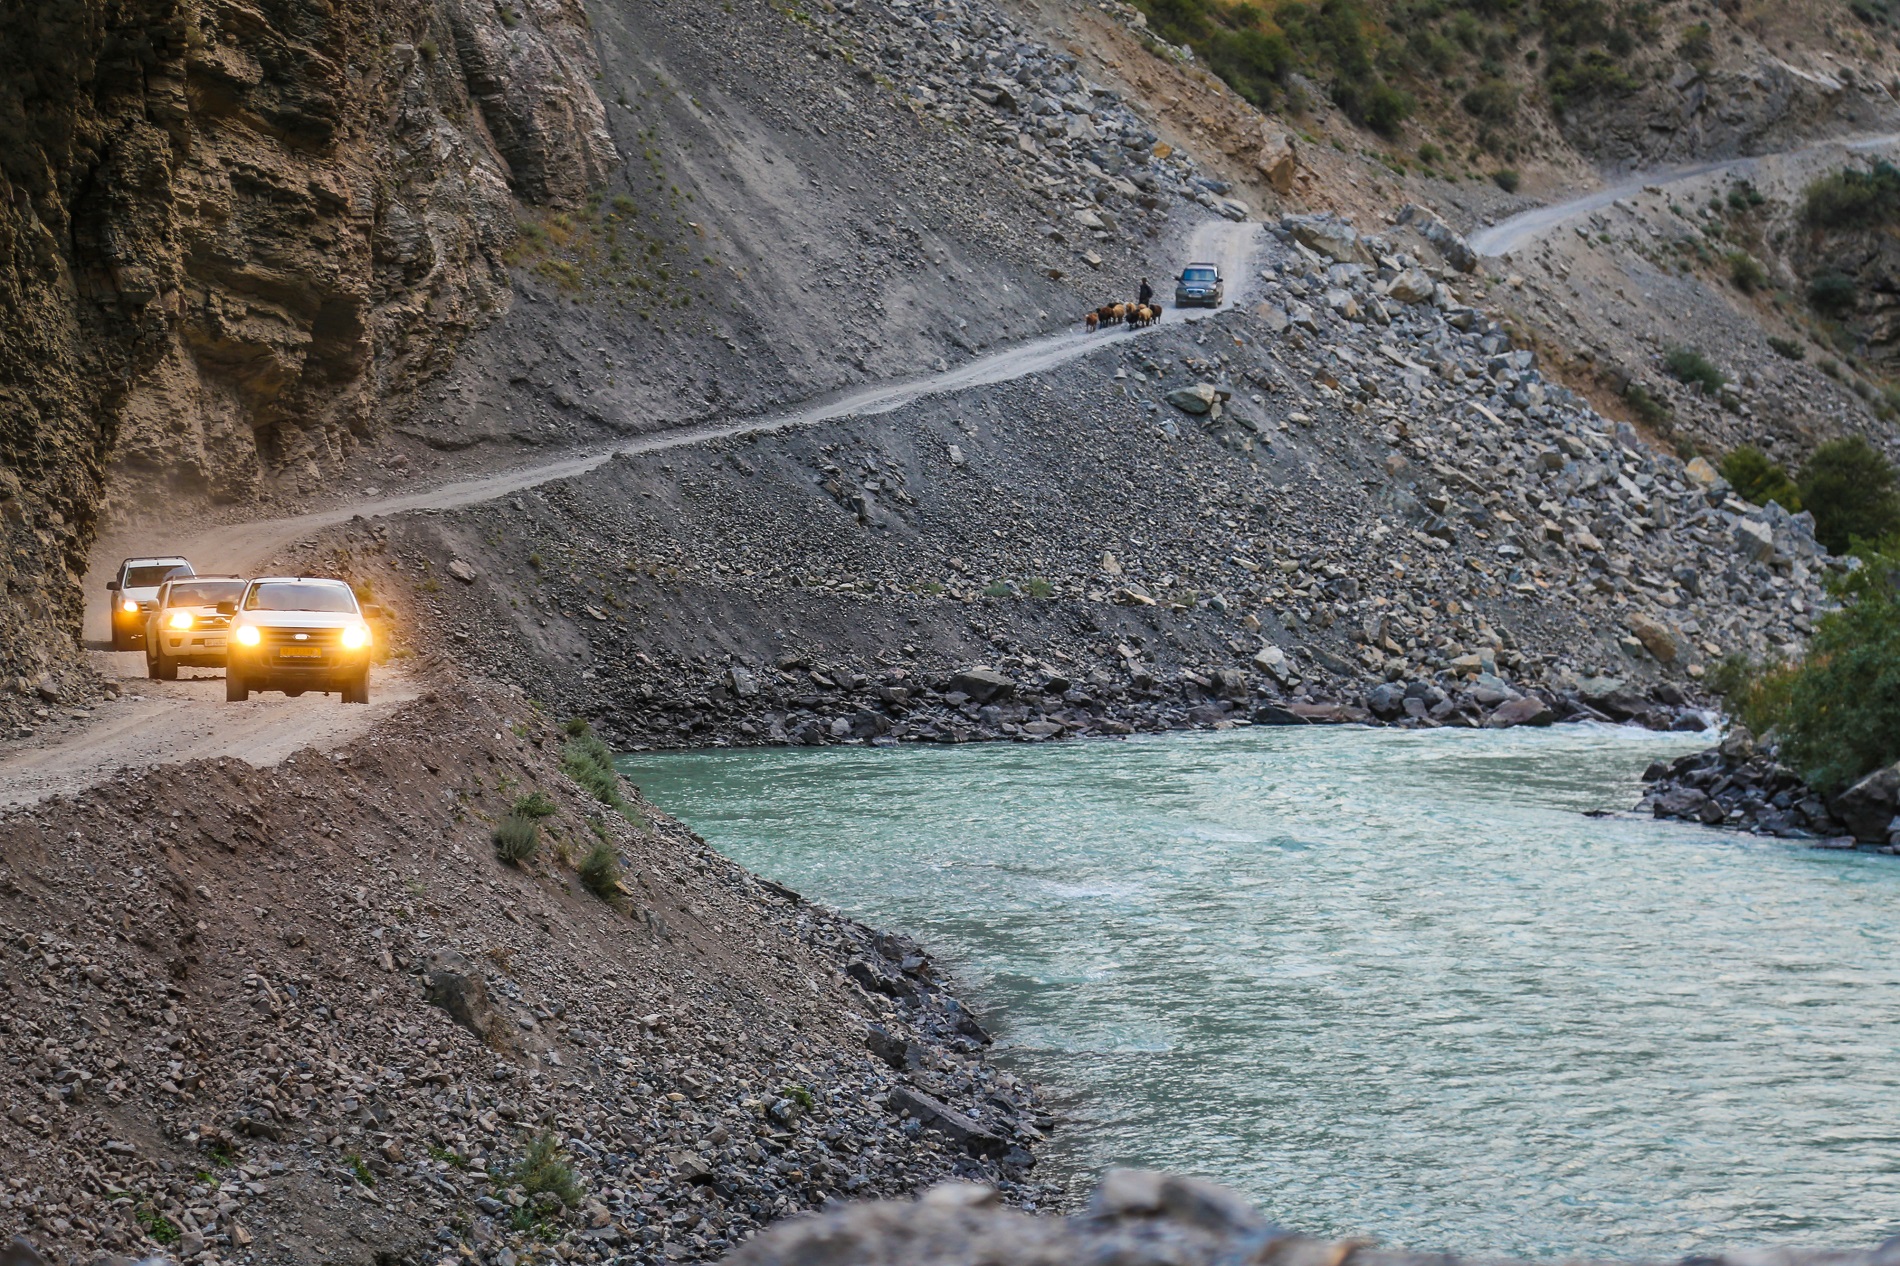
<point>1756,104</point>
<point>233,236</point>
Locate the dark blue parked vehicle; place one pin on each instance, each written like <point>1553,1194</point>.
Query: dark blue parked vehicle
<point>1200,285</point>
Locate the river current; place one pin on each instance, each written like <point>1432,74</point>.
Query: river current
<point>1386,983</point>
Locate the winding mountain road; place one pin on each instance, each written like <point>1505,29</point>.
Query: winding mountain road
<point>158,723</point>
<point>1528,226</point>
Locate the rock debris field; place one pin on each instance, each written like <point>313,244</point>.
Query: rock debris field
<point>1353,499</point>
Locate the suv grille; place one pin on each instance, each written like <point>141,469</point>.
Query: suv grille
<point>280,639</point>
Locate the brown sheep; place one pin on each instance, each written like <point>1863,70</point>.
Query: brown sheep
<point>1117,312</point>
<point>1090,321</point>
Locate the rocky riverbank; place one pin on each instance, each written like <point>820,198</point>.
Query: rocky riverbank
<point>1743,785</point>
<point>434,1054</point>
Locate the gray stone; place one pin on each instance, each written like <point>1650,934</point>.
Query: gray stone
<point>1331,237</point>
<point>1197,399</point>
<point>1412,286</point>
<point>453,982</point>
<point>967,1133</point>
<point>981,685</point>
<point>1867,807</point>
<point>1524,710</point>
<point>462,571</point>
<point>1754,540</point>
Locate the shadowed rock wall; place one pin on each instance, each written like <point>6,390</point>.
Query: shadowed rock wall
<point>234,235</point>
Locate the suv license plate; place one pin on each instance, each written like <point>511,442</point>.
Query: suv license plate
<point>301,652</point>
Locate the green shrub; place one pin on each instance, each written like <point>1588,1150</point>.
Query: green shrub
<point>1233,41</point>
<point>1848,485</point>
<point>1838,712</point>
<point>1834,294</point>
<point>1430,154</point>
<point>534,805</point>
<point>543,1169</point>
<point>1507,179</point>
<point>590,762</point>
<point>1746,272</point>
<point>1697,46</point>
<point>517,837</point>
<point>1650,411</point>
<point>1494,101</point>
<point>1853,199</point>
<point>1692,368</point>
<point>1758,479</point>
<point>1596,75</point>
<point>1037,587</point>
<point>600,871</point>
<point>1787,347</point>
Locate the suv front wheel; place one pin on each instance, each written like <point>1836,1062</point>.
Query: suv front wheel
<point>158,668</point>
<point>236,690</point>
<point>356,690</point>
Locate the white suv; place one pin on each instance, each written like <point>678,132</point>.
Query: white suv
<point>295,633</point>
<point>134,587</point>
<point>185,627</point>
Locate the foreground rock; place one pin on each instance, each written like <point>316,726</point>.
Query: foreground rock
<point>1135,1219</point>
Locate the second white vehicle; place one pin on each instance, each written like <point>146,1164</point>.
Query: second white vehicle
<point>296,633</point>
<point>185,628</point>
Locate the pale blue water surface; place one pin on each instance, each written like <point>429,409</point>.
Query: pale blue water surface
<point>1386,983</point>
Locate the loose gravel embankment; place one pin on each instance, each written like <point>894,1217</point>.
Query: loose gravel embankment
<point>304,1013</point>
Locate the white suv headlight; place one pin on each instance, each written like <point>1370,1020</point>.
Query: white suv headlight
<point>180,620</point>
<point>355,637</point>
<point>247,635</point>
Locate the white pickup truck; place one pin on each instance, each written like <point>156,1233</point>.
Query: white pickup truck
<point>134,589</point>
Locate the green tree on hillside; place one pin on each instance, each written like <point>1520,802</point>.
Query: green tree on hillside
<point>1848,485</point>
<point>1758,479</point>
<point>1838,712</point>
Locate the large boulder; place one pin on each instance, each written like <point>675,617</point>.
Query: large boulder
<point>453,982</point>
<point>1278,160</point>
<point>1525,710</point>
<point>1328,235</point>
<point>1754,540</point>
<point>1197,399</point>
<point>982,685</point>
<point>1867,808</point>
<point>1386,701</point>
<point>1451,247</point>
<point>1657,638</point>
<point>1412,286</point>
<point>1703,472</point>
<point>970,1135</point>
<point>1271,660</point>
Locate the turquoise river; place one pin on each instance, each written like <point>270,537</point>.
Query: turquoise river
<point>1386,983</point>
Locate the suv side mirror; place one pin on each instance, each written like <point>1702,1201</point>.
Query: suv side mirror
<point>228,607</point>
<point>372,612</point>
<point>112,586</point>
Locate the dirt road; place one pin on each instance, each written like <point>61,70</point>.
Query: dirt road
<point>160,723</point>
<point>1528,226</point>
<point>170,722</point>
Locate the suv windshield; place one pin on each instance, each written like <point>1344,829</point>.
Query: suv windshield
<point>151,577</point>
<point>1198,274</point>
<point>203,593</point>
<point>291,595</point>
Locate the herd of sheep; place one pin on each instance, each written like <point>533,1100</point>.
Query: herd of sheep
<point>1134,315</point>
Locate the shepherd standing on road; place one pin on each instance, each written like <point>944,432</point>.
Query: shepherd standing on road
<point>1147,293</point>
